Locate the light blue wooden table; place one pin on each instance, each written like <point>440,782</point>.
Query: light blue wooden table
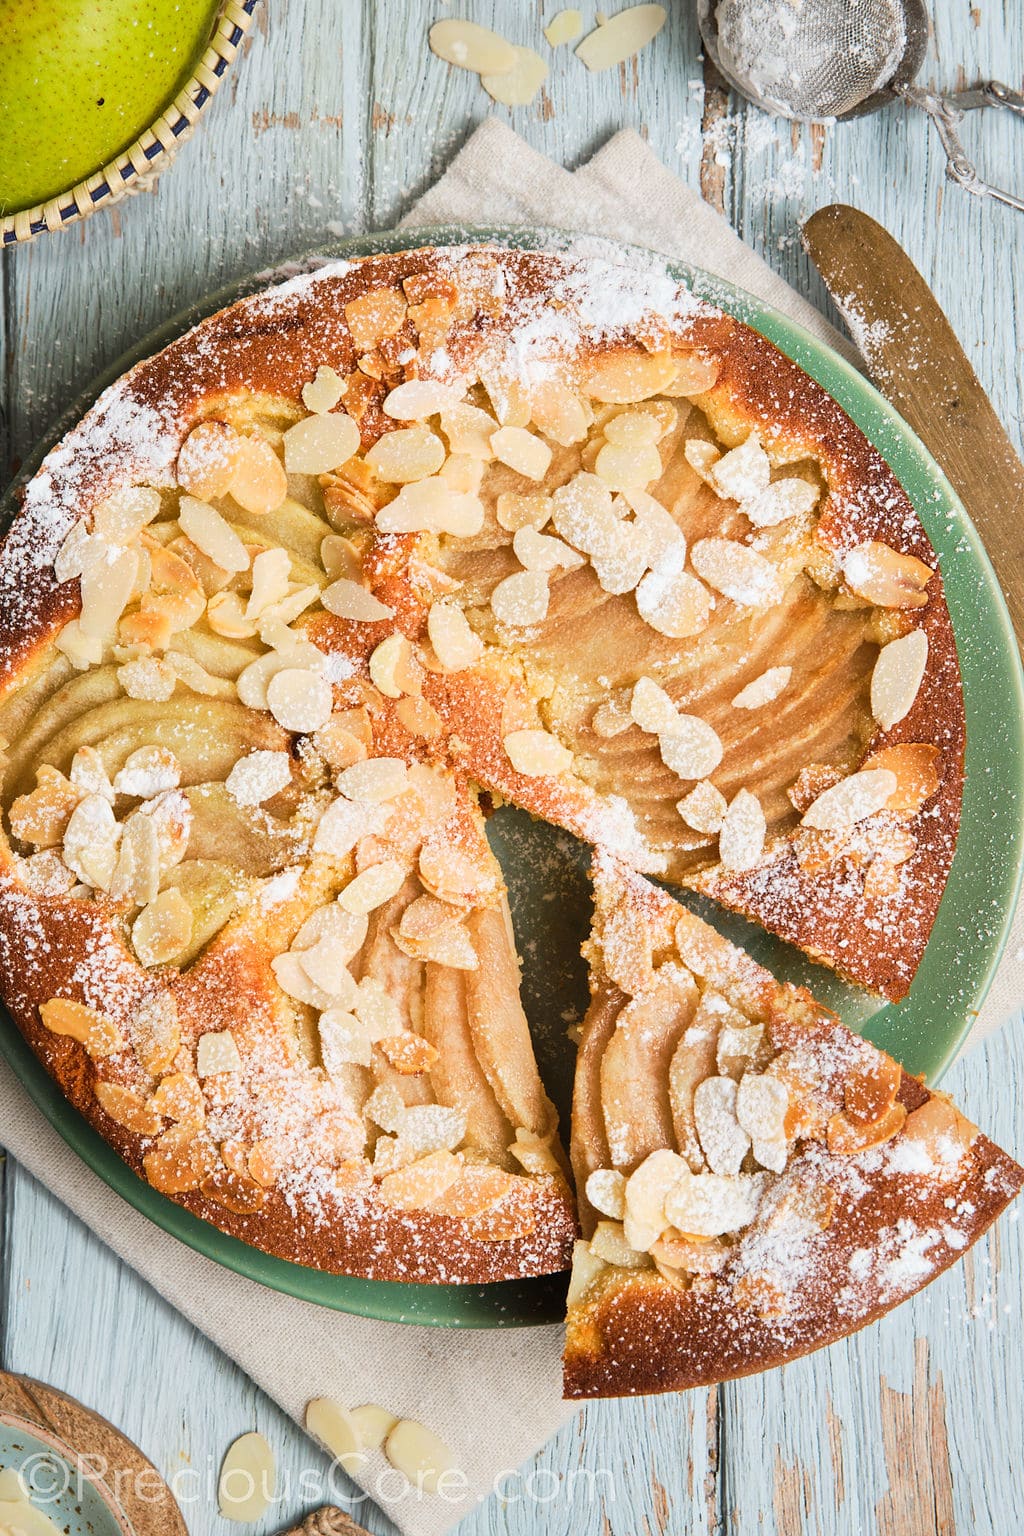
<point>335,119</point>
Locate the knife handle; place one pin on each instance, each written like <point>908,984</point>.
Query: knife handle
<point>914,358</point>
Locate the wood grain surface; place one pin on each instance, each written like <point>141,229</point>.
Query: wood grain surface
<point>335,119</point>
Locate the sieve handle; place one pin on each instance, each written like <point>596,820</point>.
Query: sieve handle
<point>946,112</point>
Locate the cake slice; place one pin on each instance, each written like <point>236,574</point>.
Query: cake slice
<point>755,1180</point>
<point>343,1073</point>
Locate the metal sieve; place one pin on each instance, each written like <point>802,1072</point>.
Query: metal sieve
<point>817,60</point>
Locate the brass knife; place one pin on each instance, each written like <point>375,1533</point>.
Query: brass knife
<point>915,360</point>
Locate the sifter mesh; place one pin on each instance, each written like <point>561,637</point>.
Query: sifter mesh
<point>806,58</point>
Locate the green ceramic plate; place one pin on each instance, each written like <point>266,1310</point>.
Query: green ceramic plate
<point>546,869</point>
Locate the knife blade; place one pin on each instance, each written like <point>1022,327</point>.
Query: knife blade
<point>915,360</point>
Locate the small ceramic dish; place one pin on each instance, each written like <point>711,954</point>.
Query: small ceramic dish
<point>136,168</point>
<point>58,1483</point>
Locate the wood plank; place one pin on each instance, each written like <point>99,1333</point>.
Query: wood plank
<point>893,1430</point>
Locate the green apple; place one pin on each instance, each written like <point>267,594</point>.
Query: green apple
<point>81,79</point>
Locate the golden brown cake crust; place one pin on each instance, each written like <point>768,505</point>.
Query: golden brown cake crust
<point>840,1238</point>
<point>266,348</point>
<point>643,1336</point>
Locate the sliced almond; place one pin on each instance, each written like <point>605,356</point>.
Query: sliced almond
<point>155,1031</point>
<point>83,651</point>
<point>259,777</point>
<point>469,430</point>
<point>703,808</point>
<point>522,451</point>
<point>379,778</point>
<point>373,887</point>
<point>790,497</point>
<point>709,1204</point>
<point>621,36</point>
<point>611,719</point>
<point>163,928</point>
<point>623,378</point>
<point>455,644</point>
<point>472,47</point>
<point>210,533</point>
<point>91,841</point>
<point>738,572</point>
<point>107,582</point>
<point>431,506</point>
<point>518,86</point>
<point>299,700</point>
<point>515,510</point>
<point>691,749</point>
<point>320,443</point>
<point>374,316</point>
<point>723,1140</point>
<point>389,663</point>
<point>564,27</point>
<point>695,375</point>
<point>897,676</point>
<point>323,392</point>
<point>763,689</point>
<point>881,575</point>
<point>94,1030</point>
<point>335,1428</point>
<point>340,557</point>
<point>674,603</point>
<point>127,1108</point>
<point>853,799</point>
<point>537,752</point>
<point>216,1051</point>
<point>521,600</point>
<point>416,1451</point>
<point>259,483</point>
<point>248,1479</point>
<point>916,765</point>
<point>271,575</point>
<point>742,474</point>
<point>606,1191</point>
<point>407,454</point>
<point>89,775</point>
<point>225,614</point>
<point>148,771</point>
<point>651,708</point>
<point>350,600</point>
<point>701,457</point>
<point>762,1104</point>
<point>207,460</point>
<point>137,875</point>
<point>646,1190</point>
<point>457,874</point>
<point>540,552</point>
<point>420,1182</point>
<point>742,833</point>
<point>633,429</point>
<point>419,398</point>
<point>848,1138</point>
<point>121,516</point>
<point>558,412</point>
<point>609,1244</point>
<point>627,468</point>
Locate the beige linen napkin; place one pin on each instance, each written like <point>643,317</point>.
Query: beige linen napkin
<point>494,1396</point>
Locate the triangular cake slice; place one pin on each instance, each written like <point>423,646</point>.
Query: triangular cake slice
<point>342,1073</point>
<point>755,1180</point>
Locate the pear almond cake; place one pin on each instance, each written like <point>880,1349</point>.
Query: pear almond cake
<point>359,557</point>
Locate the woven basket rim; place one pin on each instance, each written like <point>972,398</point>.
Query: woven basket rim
<point>151,152</point>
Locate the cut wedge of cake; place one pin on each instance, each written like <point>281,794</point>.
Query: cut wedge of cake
<point>755,1181</point>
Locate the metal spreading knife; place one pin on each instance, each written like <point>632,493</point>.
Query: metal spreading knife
<point>914,358</point>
